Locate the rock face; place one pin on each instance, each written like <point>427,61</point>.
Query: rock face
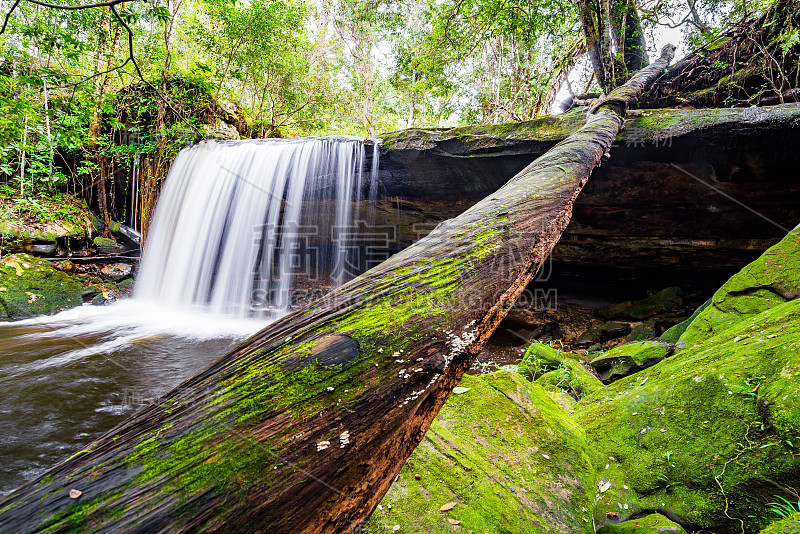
<point>31,286</point>
<point>772,279</point>
<point>663,199</point>
<point>529,474</point>
<point>699,437</point>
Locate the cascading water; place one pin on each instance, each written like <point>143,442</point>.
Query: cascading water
<point>241,226</point>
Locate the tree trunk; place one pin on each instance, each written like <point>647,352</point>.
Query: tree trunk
<point>614,40</point>
<point>304,426</point>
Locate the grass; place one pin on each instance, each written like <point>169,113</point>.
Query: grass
<point>784,508</point>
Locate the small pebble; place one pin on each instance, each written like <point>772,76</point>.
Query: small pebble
<point>417,477</point>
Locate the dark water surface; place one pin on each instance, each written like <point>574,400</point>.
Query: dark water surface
<point>67,379</point>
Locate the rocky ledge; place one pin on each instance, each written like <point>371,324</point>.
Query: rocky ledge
<point>684,189</point>
<point>703,438</point>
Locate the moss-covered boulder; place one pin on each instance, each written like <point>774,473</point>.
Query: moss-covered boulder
<point>703,435</point>
<point>630,358</point>
<point>31,286</point>
<point>507,456</point>
<point>650,524</point>
<point>674,333</point>
<point>658,303</point>
<point>789,525</point>
<point>770,280</point>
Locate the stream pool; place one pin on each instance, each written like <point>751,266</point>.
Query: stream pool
<point>66,379</point>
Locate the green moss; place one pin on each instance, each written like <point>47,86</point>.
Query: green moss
<point>31,286</point>
<point>770,280</point>
<point>789,525</point>
<point>511,459</point>
<point>700,435</point>
<point>673,334</point>
<point>629,358</point>
<point>650,524</point>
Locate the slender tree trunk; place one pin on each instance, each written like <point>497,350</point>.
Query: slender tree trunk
<point>609,29</point>
<point>304,426</point>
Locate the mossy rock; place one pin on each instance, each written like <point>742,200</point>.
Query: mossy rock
<point>674,333</point>
<point>702,435</point>
<point>105,245</point>
<point>643,331</point>
<point>789,525</point>
<point>625,360</point>
<point>651,524</point>
<point>659,303</point>
<point>770,280</point>
<point>31,286</point>
<point>506,454</point>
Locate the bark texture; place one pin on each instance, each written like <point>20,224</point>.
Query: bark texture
<point>303,427</point>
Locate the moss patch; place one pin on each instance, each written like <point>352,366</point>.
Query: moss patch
<point>511,459</point>
<point>31,286</point>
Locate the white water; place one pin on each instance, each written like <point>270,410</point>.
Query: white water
<point>230,233</point>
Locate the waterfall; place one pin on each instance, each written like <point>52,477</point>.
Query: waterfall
<point>245,228</point>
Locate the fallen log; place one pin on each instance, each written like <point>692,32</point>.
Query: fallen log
<point>303,427</point>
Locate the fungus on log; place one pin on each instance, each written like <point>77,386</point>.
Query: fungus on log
<point>304,426</point>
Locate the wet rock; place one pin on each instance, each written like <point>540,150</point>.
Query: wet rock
<point>31,286</point>
<point>651,524</point>
<point>106,295</point>
<point>116,271</point>
<point>45,249</point>
<point>624,360</point>
<point>105,245</point>
<point>605,332</point>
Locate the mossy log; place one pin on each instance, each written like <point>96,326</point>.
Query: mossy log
<point>304,426</point>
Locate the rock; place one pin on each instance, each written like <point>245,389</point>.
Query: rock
<point>512,459</point>
<point>125,286</point>
<point>605,332</point>
<point>645,330</point>
<point>789,525</point>
<point>31,286</point>
<point>558,370</point>
<point>659,303</point>
<point>674,333</point>
<point>46,249</point>
<point>650,524</point>
<point>772,279</point>
<point>106,295</point>
<point>116,271</point>
<point>614,330</point>
<point>624,360</point>
<point>105,245</point>
<point>701,435</point>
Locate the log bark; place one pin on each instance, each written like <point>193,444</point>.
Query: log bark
<point>304,426</point>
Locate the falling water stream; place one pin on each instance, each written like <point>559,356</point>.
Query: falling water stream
<point>239,228</point>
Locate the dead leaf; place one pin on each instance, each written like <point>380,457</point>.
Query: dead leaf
<point>454,521</point>
<point>459,390</point>
<point>74,494</point>
<point>447,506</point>
<point>605,487</point>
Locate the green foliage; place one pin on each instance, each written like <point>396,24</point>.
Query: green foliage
<point>783,508</point>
